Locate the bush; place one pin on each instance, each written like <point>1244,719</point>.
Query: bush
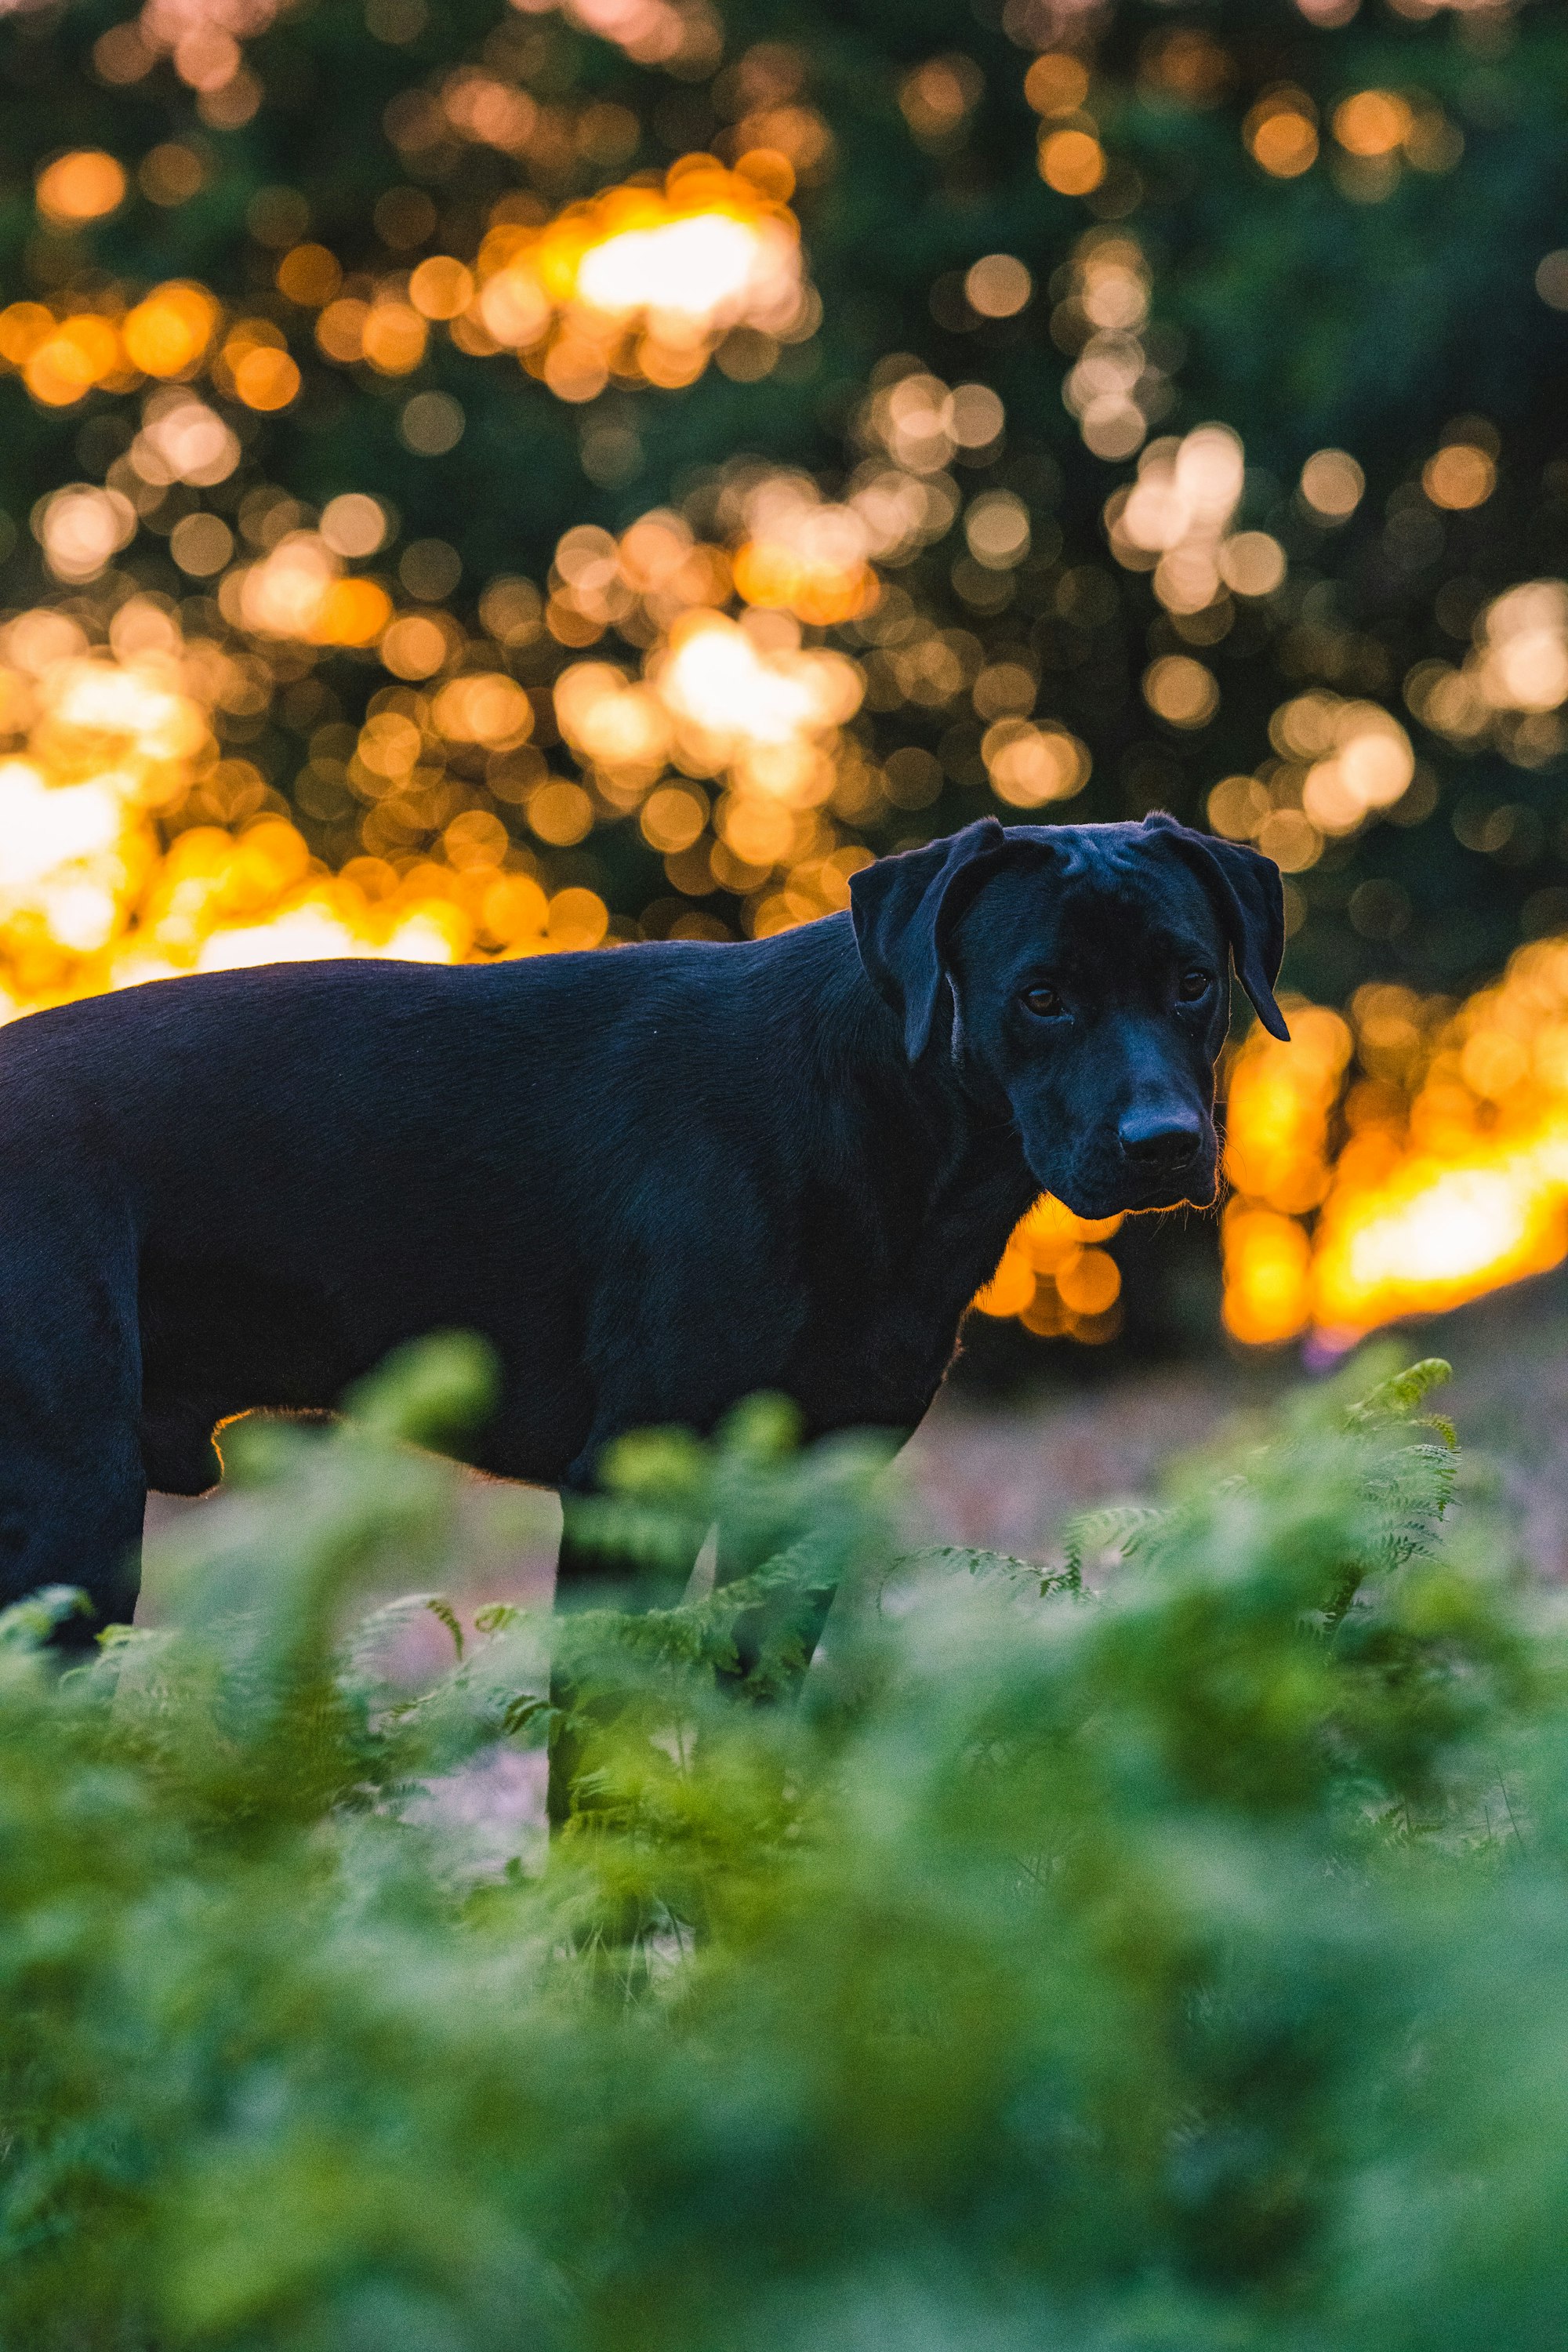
<point>1181,1965</point>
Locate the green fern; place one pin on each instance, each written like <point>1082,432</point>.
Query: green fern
<point>1176,1964</point>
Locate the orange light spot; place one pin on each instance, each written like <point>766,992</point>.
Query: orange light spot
<point>770,172</point>
<point>1374,122</point>
<point>393,338</point>
<point>68,363</point>
<point>673,818</point>
<point>1459,475</point>
<point>441,288</point>
<point>1071,161</point>
<point>83,186</point>
<point>485,707</point>
<point>711,251</point>
<point>1057,83</point>
<point>168,335</point>
<point>561,814</point>
<point>354,612</point>
<point>475,840</point>
<point>23,327</point>
<point>577,919</point>
<point>1268,1276</point>
<point>266,379</point>
<point>514,908</point>
<point>339,329</point>
<point>1090,1283</point>
<point>413,646</point>
<point>1281,135</point>
<point>310,275</point>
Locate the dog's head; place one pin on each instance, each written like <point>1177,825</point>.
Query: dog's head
<point>1080,972</point>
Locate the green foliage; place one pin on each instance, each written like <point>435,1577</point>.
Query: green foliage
<point>1165,1948</point>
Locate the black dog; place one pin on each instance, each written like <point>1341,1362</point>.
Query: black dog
<point>657,1181</point>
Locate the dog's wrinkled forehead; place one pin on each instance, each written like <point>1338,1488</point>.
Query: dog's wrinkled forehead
<point>1108,910</point>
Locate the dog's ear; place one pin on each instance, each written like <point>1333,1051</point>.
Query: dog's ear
<point>902,908</point>
<point>1248,897</point>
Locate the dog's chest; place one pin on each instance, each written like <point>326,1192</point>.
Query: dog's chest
<point>882,1334</point>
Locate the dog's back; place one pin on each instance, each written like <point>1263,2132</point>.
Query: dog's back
<point>305,1165</point>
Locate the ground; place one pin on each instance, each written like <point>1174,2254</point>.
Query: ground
<point>1005,1476</point>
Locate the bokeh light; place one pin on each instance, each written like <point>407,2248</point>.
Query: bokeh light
<point>642,280</point>
<point>1173,521</point>
<point>133,848</point>
<point>1402,1159</point>
<point>1071,161</point>
<point>1057,83</point>
<point>81,186</point>
<point>1281,133</point>
<point>1372,122</point>
<point>494,641</point>
<point>1460,475</point>
<point>1332,485</point>
<point>998,285</point>
<point>1182,691</point>
<point>1055,1276</point>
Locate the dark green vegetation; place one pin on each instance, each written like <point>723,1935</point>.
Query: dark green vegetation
<point>1374,314</point>
<point>1181,1966</point>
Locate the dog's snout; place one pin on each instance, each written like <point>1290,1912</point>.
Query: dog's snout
<point>1160,1136</point>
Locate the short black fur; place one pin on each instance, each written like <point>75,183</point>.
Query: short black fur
<point>656,1180</point>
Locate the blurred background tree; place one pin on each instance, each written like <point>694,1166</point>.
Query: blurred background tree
<point>538,475</point>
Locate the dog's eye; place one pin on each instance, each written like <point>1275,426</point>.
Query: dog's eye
<point>1043,1000</point>
<point>1192,986</point>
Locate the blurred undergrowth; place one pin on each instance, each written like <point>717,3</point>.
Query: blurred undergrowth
<point>1183,1963</point>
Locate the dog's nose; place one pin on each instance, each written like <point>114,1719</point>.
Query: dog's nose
<point>1163,1136</point>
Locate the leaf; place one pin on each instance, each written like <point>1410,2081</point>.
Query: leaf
<point>441,1607</point>
<point>498,1617</point>
<point>1400,1396</point>
<point>433,1392</point>
<point>27,1624</point>
<point>1117,1526</point>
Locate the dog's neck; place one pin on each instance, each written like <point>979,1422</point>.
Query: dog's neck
<point>972,1181</point>
<point>944,1151</point>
